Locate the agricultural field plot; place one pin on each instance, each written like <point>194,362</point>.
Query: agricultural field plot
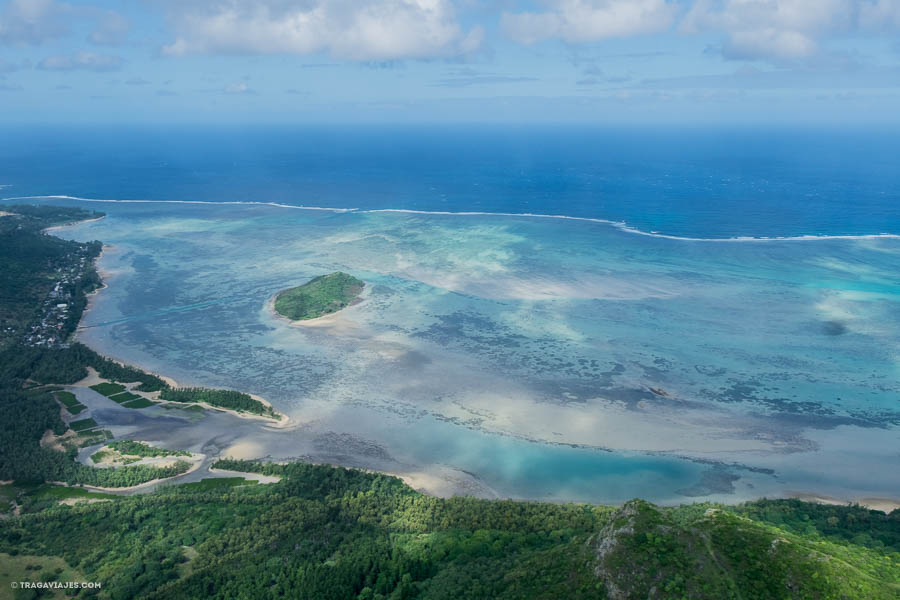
<point>83,425</point>
<point>138,403</point>
<point>68,399</point>
<point>124,397</point>
<point>108,389</point>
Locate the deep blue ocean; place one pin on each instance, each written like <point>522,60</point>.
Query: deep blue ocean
<point>686,182</point>
<point>569,359</point>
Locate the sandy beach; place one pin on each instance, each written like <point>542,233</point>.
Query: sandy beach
<point>65,225</point>
<point>885,505</point>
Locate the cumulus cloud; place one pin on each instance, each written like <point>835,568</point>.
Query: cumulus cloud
<point>32,21</point>
<point>581,21</point>
<point>786,29</point>
<point>87,61</point>
<point>350,29</point>
<point>774,30</point>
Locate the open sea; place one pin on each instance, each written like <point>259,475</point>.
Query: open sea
<point>553,313</point>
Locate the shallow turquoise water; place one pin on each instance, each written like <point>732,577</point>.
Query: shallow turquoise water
<point>486,342</point>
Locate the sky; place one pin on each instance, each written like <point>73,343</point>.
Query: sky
<point>549,61</point>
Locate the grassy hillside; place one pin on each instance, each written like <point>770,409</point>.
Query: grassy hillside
<point>320,296</point>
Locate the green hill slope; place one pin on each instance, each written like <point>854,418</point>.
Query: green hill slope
<point>333,533</point>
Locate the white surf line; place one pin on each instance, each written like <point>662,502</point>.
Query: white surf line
<point>628,229</point>
<point>235,202</point>
<point>621,225</point>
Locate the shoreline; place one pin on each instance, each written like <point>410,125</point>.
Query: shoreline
<point>885,505</point>
<point>282,419</point>
<point>72,224</point>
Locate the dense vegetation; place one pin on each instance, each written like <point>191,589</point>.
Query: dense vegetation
<point>222,398</point>
<point>132,448</point>
<point>69,365</point>
<point>32,262</point>
<point>25,416</point>
<point>332,533</point>
<point>68,399</point>
<point>108,389</point>
<point>320,296</point>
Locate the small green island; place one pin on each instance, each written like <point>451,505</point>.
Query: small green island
<point>321,296</point>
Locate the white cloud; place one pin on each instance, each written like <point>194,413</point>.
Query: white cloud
<point>87,61</point>
<point>775,30</point>
<point>769,43</point>
<point>581,21</point>
<point>32,21</point>
<point>350,29</point>
<point>785,29</point>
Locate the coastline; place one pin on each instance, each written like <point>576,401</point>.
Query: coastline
<point>92,295</point>
<point>64,225</point>
<point>885,505</point>
<point>282,421</point>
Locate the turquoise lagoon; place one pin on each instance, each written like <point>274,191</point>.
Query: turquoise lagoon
<point>532,357</point>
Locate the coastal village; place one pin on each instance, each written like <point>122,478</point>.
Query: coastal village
<point>53,326</point>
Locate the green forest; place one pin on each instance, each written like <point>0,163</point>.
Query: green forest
<point>333,533</point>
<point>320,296</point>
<point>324,532</point>
<point>229,399</point>
<point>132,448</point>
